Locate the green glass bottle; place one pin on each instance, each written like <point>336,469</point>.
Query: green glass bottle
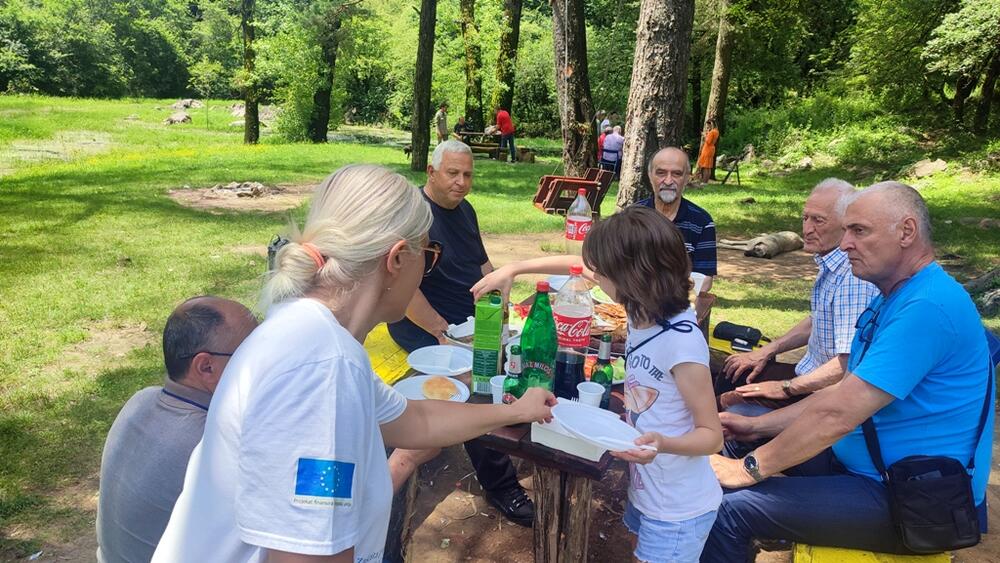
<point>603,372</point>
<point>513,385</point>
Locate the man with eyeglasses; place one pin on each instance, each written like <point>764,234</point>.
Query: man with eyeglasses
<point>444,298</point>
<point>148,446</point>
<point>919,367</point>
<point>754,382</point>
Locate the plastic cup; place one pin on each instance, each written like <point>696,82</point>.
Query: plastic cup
<point>496,386</point>
<point>590,393</point>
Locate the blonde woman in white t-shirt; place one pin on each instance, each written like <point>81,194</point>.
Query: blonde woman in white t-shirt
<point>638,258</point>
<point>292,464</point>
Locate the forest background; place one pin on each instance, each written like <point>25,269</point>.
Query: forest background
<point>887,68</point>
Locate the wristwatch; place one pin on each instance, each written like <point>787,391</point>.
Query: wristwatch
<point>750,464</point>
<point>786,386</point>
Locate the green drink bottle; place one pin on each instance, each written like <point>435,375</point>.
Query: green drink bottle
<point>603,373</point>
<point>538,342</point>
<point>513,385</point>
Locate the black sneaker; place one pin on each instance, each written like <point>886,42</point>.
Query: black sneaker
<point>513,503</point>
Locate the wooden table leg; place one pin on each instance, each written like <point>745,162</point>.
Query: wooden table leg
<point>575,520</point>
<point>562,516</point>
<point>547,485</point>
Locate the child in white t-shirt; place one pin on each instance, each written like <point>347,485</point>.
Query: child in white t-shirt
<point>638,258</point>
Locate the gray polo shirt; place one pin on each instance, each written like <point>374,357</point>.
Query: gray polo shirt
<point>142,469</point>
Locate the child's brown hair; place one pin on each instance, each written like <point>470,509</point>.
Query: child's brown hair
<point>642,253</point>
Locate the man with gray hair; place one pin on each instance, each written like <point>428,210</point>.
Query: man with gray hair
<point>444,298</point>
<point>838,298</point>
<point>147,449</point>
<point>919,368</point>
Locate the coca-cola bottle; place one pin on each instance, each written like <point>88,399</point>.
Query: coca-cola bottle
<point>538,342</point>
<point>603,371</point>
<point>573,311</point>
<point>579,218</point>
<point>513,386</point>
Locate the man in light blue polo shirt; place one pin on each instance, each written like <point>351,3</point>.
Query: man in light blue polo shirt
<point>919,366</point>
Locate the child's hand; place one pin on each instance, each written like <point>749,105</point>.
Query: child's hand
<point>643,455</point>
<point>500,279</point>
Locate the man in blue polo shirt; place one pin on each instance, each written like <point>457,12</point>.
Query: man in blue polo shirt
<point>919,367</point>
<point>669,173</point>
<point>444,298</point>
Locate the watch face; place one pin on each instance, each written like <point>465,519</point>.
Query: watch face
<point>750,462</point>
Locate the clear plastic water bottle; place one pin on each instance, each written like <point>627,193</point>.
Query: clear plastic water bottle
<point>573,311</point>
<point>579,219</point>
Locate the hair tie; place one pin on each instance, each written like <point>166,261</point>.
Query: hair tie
<point>315,254</point>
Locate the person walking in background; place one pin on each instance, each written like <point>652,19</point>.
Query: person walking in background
<point>600,142</point>
<point>506,127</point>
<point>706,158</point>
<point>441,122</point>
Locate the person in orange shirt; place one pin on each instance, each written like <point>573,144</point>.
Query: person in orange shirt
<point>706,158</point>
<point>506,127</point>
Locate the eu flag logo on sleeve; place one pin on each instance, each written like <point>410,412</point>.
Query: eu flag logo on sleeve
<point>323,482</point>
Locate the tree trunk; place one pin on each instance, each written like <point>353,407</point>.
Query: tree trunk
<point>655,117</point>
<point>963,89</point>
<point>716,109</point>
<point>251,93</point>
<point>576,108</point>
<point>319,121</point>
<point>473,67</point>
<point>420,139</point>
<point>982,117</point>
<point>695,97</point>
<point>503,95</point>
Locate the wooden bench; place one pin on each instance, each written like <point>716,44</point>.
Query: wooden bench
<point>556,193</point>
<point>816,554</point>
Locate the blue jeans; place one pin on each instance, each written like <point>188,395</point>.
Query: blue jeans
<point>820,504</point>
<point>508,140</point>
<point>673,542</point>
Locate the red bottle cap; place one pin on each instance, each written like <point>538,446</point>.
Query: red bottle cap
<point>576,269</point>
<point>582,191</point>
<point>542,286</point>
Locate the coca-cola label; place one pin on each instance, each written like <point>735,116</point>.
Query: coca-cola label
<point>577,229</point>
<point>572,331</point>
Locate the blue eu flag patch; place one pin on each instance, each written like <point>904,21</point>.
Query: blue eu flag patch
<point>324,478</point>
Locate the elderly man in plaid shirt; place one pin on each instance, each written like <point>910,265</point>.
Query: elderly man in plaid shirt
<point>838,299</point>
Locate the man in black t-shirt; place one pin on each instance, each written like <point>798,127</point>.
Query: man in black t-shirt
<point>444,298</point>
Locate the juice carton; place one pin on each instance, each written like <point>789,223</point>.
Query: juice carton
<point>487,342</point>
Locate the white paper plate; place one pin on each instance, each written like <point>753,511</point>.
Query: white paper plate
<point>441,360</point>
<point>597,426</point>
<point>513,332</point>
<point>556,282</point>
<point>412,388</point>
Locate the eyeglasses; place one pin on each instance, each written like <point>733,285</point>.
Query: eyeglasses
<point>189,356</point>
<point>867,323</point>
<point>432,252</point>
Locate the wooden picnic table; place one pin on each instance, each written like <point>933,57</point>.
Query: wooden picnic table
<point>562,485</point>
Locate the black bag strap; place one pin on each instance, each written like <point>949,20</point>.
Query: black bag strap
<point>875,450</point>
<point>684,326</point>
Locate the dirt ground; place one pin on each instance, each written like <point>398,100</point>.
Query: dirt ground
<point>453,522</point>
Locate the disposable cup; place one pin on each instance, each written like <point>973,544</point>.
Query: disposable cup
<point>496,386</point>
<point>590,393</point>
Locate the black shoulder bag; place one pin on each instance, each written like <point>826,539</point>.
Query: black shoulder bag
<point>930,497</point>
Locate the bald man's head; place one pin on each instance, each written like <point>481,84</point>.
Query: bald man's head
<point>669,173</point>
<point>201,334</point>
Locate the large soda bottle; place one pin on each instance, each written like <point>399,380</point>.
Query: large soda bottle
<point>573,311</point>
<point>603,372</point>
<point>513,385</point>
<point>579,219</point>
<point>538,342</point>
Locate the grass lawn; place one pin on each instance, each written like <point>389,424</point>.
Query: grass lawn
<point>91,243</point>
